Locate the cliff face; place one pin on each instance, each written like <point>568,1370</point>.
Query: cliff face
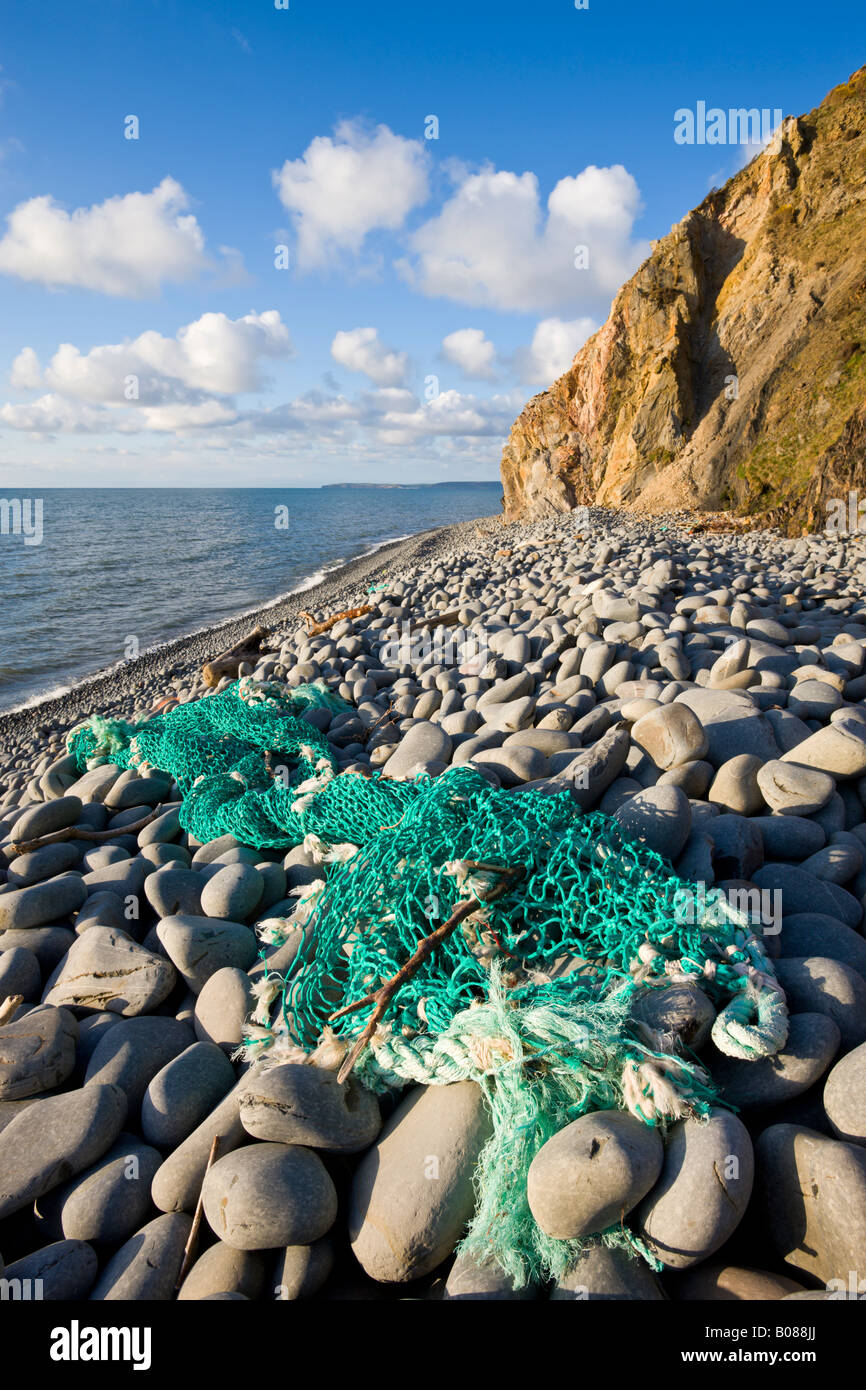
<point>731,373</point>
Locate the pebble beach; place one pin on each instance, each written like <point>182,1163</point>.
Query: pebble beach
<point>701,684</point>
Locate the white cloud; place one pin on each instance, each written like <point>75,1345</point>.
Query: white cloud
<point>451,413</point>
<point>26,373</point>
<point>55,414</point>
<point>388,399</point>
<point>361,351</point>
<point>180,416</point>
<point>52,414</point>
<point>342,189</point>
<point>314,413</point>
<point>472,352</point>
<point>554,344</point>
<point>492,245</point>
<point>128,245</point>
<point>189,384</point>
<point>215,355</point>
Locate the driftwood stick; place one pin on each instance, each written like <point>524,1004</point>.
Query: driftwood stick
<point>9,1005</point>
<point>382,997</point>
<point>189,1248</point>
<point>226,664</point>
<point>314,628</point>
<point>77,832</point>
<point>440,620</point>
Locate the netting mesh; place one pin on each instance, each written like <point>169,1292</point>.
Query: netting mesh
<point>530,995</point>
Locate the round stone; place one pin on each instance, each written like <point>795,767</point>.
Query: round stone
<point>703,1191</point>
<point>671,735</point>
<point>845,1097</point>
<point>412,1193</point>
<point>20,974</point>
<point>813,934</point>
<point>106,970</point>
<point>145,1269</point>
<point>660,816</point>
<point>130,1054</point>
<point>424,742</point>
<point>108,1201</point>
<point>723,1283</point>
<point>174,889</point>
<point>223,1270</point>
<point>177,1184</point>
<point>811,1200</point>
<point>233,893</point>
<point>609,1275</point>
<point>222,1008</point>
<point>681,1010</point>
<point>40,903</point>
<point>53,1139</point>
<point>733,724</point>
<point>469,1281</point>
<point>735,786</point>
<point>513,764</point>
<point>813,1041</point>
<point>45,818</point>
<point>46,862</point>
<point>37,1052</point>
<point>792,790</point>
<point>816,984</point>
<point>200,946</point>
<point>839,749</point>
<point>63,1271</point>
<point>184,1092</point>
<point>297,1104</point>
<point>265,1195</point>
<point>301,1270</point>
<point>592,1173</point>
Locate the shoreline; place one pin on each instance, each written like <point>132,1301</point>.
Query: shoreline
<point>180,656</point>
<point>640,669</point>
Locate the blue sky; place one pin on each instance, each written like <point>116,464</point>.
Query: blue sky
<point>147,335</point>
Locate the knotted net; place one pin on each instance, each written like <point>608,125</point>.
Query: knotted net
<point>530,994</point>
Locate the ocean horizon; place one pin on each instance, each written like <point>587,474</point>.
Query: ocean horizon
<point>94,576</point>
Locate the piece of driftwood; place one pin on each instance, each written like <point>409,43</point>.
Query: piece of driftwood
<point>314,628</point>
<point>189,1248</point>
<point>9,1005</point>
<point>226,664</point>
<point>440,620</point>
<point>78,832</point>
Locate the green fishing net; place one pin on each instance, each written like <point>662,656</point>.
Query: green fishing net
<point>530,995</point>
<point>246,762</point>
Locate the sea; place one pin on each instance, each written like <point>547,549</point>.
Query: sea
<point>92,576</point>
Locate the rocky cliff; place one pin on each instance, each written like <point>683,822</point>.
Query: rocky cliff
<point>731,373</point>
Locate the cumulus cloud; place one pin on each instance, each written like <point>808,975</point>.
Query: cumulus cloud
<point>554,344</point>
<point>128,245</point>
<point>53,414</point>
<point>189,384</point>
<point>360,350</point>
<point>342,189</point>
<point>472,352</point>
<point>493,245</point>
<point>451,414</point>
<point>214,355</point>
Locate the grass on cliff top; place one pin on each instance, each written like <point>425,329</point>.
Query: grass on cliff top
<point>778,470</point>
